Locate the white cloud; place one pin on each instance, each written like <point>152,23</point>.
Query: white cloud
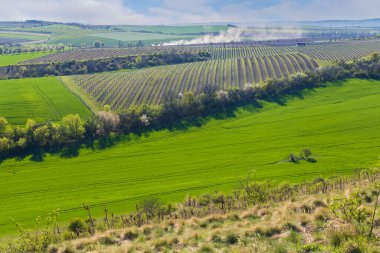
<point>85,11</point>
<point>320,10</point>
<point>184,11</point>
<point>199,11</point>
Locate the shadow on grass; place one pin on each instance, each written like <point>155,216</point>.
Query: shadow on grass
<point>73,149</point>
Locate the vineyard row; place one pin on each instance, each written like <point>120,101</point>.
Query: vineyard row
<point>121,90</point>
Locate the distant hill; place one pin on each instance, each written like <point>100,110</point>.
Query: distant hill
<point>319,23</point>
<point>343,23</point>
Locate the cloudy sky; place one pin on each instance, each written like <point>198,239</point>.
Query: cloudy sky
<point>185,11</point>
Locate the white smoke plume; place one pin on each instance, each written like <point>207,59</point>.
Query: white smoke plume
<point>239,34</point>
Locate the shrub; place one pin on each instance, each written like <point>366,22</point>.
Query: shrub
<point>268,231</point>
<point>338,237</point>
<point>67,249</point>
<point>147,230</point>
<point>306,153</point>
<point>52,249</point>
<point>352,246</point>
<point>232,238</point>
<point>77,226</point>
<point>294,237</point>
<point>216,238</point>
<point>160,244</point>
<point>129,235</point>
<point>205,249</point>
<point>106,240</point>
<point>310,248</point>
<point>350,210</point>
<point>291,226</point>
<point>319,203</point>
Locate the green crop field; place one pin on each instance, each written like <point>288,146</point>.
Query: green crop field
<point>12,59</point>
<point>37,98</point>
<point>190,29</point>
<point>28,36</point>
<point>339,123</point>
<point>136,36</point>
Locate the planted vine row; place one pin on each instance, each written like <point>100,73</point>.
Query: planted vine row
<point>326,51</point>
<point>121,90</point>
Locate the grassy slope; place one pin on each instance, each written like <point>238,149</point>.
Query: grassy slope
<point>270,227</point>
<point>136,36</point>
<point>339,124</point>
<point>37,98</point>
<point>177,29</point>
<point>6,60</point>
<point>24,35</point>
<point>82,95</point>
<point>111,39</point>
<point>64,34</point>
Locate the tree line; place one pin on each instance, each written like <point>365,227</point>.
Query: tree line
<point>8,49</point>
<point>177,108</point>
<point>101,65</point>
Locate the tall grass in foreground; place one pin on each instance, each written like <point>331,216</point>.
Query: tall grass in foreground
<point>336,214</point>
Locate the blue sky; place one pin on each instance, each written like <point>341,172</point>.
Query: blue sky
<point>186,11</point>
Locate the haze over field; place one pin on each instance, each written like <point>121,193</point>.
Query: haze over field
<point>240,34</point>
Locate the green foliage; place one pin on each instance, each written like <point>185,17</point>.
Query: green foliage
<point>308,248</point>
<point>73,127</point>
<point>77,226</point>
<point>232,238</point>
<point>351,210</point>
<point>3,125</point>
<point>138,60</point>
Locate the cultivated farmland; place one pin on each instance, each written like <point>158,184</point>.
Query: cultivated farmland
<point>341,51</point>
<point>325,52</point>
<point>13,59</point>
<point>169,164</point>
<point>40,99</point>
<point>150,86</point>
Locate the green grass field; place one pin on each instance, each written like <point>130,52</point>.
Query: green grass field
<point>13,59</point>
<point>37,98</point>
<point>339,123</point>
<point>24,35</point>
<point>136,36</point>
<point>191,29</point>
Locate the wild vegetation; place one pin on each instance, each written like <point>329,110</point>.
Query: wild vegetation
<point>338,214</point>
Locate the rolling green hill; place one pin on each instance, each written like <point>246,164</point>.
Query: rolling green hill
<point>339,123</point>
<point>37,98</point>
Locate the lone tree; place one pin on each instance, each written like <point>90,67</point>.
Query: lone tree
<point>97,44</point>
<point>306,153</point>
